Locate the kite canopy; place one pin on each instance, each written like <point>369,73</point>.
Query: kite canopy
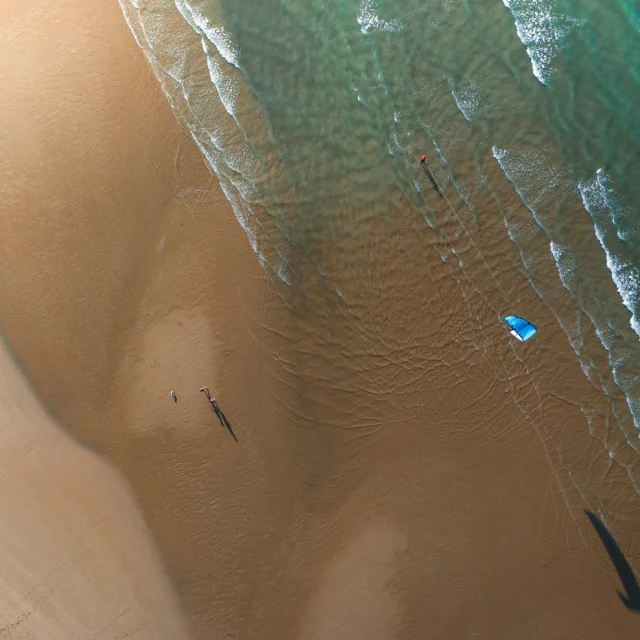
<point>520,328</point>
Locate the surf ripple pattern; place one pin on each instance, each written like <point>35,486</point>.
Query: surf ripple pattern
<point>312,115</point>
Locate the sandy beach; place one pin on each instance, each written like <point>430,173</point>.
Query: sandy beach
<point>389,481</point>
<point>78,560</point>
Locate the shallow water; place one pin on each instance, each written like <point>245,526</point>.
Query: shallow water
<point>314,115</point>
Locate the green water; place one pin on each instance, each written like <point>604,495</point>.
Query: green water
<point>314,114</point>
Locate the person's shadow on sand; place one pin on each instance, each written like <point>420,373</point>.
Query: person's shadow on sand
<point>223,420</point>
<point>622,566</point>
<point>216,409</point>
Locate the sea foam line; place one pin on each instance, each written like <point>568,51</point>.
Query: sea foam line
<point>556,180</point>
<point>369,20</point>
<point>541,30</point>
<point>603,205</point>
<point>533,197</point>
<point>469,104</point>
<point>200,107</point>
<point>219,37</point>
<point>467,100</point>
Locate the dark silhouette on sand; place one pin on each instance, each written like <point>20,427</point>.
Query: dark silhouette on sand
<point>627,577</point>
<point>216,409</point>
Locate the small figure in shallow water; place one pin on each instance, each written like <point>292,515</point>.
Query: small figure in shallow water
<point>434,184</point>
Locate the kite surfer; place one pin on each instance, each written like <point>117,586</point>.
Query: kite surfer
<point>434,184</point>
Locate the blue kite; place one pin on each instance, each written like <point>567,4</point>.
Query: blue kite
<point>520,328</point>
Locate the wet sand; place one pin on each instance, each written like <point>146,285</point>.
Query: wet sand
<point>385,483</point>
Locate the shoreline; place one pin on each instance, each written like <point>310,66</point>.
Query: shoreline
<point>390,479</point>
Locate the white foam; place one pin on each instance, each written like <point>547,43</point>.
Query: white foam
<point>369,20</point>
<point>632,477</point>
<point>533,175</point>
<point>523,171</point>
<point>559,259</point>
<point>586,370</point>
<point>225,45</point>
<point>518,168</point>
<point>397,142</point>
<point>634,407</point>
<point>172,37</point>
<point>541,30</point>
<point>242,217</point>
<point>566,263</point>
<point>283,273</point>
<point>467,99</point>
<point>225,85</point>
<point>600,201</point>
<point>217,35</point>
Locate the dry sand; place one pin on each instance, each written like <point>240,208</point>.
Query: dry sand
<point>77,559</point>
<point>384,485</point>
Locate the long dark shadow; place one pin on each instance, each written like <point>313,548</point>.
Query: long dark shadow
<point>434,184</point>
<point>627,577</point>
<point>226,424</point>
<point>223,420</point>
<point>217,412</point>
<point>216,409</point>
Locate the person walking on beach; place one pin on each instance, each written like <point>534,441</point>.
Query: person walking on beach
<point>213,403</point>
<point>216,409</point>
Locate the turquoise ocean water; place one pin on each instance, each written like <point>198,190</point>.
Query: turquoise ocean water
<point>312,112</point>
